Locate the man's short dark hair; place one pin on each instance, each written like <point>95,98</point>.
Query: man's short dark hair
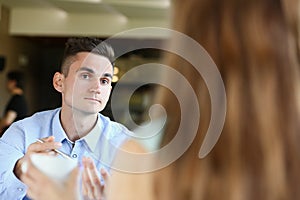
<point>84,44</point>
<point>17,76</point>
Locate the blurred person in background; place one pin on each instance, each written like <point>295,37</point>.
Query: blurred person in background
<point>255,46</point>
<point>16,108</point>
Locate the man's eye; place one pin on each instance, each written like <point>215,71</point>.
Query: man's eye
<point>85,76</point>
<point>105,81</point>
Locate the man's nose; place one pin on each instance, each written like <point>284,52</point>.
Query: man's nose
<point>96,87</point>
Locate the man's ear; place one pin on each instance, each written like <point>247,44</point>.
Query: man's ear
<point>58,80</point>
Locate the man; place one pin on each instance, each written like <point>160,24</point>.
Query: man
<point>16,107</point>
<point>77,128</point>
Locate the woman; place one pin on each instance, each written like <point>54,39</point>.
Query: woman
<point>16,108</point>
<point>254,45</point>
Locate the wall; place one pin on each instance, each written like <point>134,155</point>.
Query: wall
<point>54,22</point>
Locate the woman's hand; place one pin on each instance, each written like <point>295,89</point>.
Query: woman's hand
<point>92,189</point>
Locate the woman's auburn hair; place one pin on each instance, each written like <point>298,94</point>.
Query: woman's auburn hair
<point>255,47</point>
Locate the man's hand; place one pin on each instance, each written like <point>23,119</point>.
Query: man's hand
<point>91,182</point>
<point>42,187</point>
<point>36,147</point>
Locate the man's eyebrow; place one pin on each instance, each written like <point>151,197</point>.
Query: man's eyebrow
<point>93,72</point>
<point>107,75</point>
<point>86,69</point>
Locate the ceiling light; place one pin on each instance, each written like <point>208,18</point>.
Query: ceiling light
<point>115,78</point>
<point>83,1</point>
<point>116,70</point>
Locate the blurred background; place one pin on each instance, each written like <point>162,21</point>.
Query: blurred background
<point>33,33</point>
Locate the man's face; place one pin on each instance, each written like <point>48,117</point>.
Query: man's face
<point>88,84</point>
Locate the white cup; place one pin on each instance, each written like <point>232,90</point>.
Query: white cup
<point>55,167</point>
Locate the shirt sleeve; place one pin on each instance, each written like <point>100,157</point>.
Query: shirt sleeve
<point>11,149</point>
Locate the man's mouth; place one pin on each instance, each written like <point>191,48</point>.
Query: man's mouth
<point>93,99</point>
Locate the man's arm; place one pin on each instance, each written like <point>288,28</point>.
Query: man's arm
<point>12,154</point>
<point>12,148</point>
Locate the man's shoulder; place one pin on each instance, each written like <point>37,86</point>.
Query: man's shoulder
<point>41,116</point>
<point>108,124</point>
<point>37,125</point>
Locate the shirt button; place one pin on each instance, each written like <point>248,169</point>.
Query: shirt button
<point>20,189</point>
<point>74,155</point>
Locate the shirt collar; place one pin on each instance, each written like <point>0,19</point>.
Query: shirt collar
<point>58,131</point>
<point>93,136</point>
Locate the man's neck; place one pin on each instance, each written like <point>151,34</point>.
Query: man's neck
<point>77,125</point>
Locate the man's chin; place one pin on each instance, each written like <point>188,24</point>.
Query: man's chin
<point>88,111</point>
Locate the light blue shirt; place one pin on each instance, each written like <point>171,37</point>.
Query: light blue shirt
<point>100,144</point>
